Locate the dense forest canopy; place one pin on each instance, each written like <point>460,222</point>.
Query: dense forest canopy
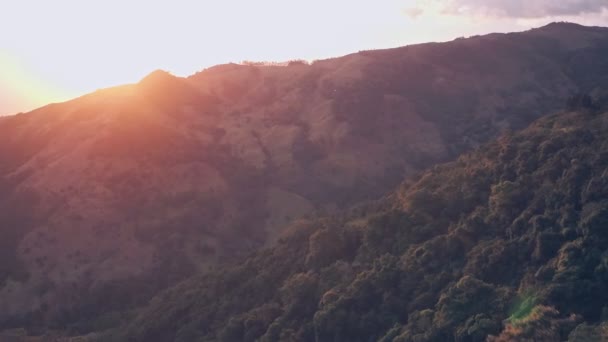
<point>508,241</point>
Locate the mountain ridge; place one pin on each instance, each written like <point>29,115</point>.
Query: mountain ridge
<point>131,189</point>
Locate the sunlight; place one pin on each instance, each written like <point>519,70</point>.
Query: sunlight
<point>20,90</point>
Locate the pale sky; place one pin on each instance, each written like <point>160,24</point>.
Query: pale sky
<point>51,51</point>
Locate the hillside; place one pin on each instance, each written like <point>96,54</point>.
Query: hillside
<point>507,242</point>
<point>113,196</point>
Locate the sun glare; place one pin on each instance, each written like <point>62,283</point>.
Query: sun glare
<point>21,90</point>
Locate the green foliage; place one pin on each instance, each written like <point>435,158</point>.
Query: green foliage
<point>541,323</point>
<point>522,308</point>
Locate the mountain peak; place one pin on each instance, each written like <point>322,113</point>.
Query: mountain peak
<point>157,76</point>
<point>571,36</point>
<point>562,25</point>
<point>565,26</point>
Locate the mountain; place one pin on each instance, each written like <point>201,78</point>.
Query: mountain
<point>111,197</point>
<point>509,242</point>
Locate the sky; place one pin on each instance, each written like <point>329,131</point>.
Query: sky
<point>51,51</point>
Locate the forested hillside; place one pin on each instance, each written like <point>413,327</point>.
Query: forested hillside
<point>108,199</point>
<point>510,242</point>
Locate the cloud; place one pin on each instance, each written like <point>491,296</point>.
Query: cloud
<point>413,12</point>
<point>524,8</point>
